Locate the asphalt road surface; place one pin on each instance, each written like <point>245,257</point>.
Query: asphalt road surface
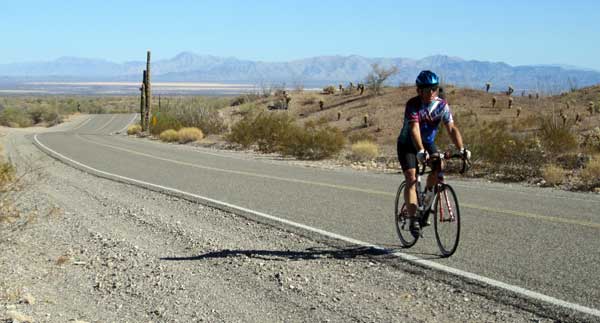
<point>542,240</point>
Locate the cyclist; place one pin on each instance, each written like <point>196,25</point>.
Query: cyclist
<point>422,118</point>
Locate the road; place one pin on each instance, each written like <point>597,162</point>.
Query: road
<point>542,240</point>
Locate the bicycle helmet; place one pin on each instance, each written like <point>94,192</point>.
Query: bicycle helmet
<point>426,79</point>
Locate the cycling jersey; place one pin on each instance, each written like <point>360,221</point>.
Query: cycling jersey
<point>428,116</point>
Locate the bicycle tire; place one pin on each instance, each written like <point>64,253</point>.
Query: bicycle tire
<point>446,202</point>
<point>401,220</point>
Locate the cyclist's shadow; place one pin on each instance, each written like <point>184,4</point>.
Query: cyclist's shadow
<point>313,253</point>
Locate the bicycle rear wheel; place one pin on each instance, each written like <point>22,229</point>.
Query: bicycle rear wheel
<point>447,220</point>
<point>402,221</point>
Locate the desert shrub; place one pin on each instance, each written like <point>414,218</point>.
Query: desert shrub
<point>557,136</point>
<point>264,129</point>
<point>364,150</point>
<point>590,140</point>
<point>134,129</point>
<point>553,175</point>
<point>164,122</point>
<point>247,108</point>
<point>309,100</point>
<point>277,132</point>
<point>316,140</point>
<point>269,129</point>
<point>330,89</point>
<point>493,143</point>
<point>36,114</point>
<point>241,132</point>
<point>52,118</point>
<point>244,98</point>
<point>169,135</point>
<point>197,112</point>
<point>378,76</point>
<point>189,135</point>
<point>360,136</point>
<point>8,213</point>
<point>15,117</point>
<point>591,173</point>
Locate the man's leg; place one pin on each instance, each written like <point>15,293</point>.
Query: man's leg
<point>410,191</point>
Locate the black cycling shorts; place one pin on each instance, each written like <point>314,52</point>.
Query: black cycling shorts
<point>407,154</point>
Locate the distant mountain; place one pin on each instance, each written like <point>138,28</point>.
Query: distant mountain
<point>314,71</point>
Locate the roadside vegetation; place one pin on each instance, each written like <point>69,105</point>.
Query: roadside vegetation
<point>47,111</point>
<point>12,219</point>
<point>549,140</point>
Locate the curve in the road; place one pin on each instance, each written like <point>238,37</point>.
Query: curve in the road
<point>238,209</point>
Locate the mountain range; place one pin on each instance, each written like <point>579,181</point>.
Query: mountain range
<point>315,71</point>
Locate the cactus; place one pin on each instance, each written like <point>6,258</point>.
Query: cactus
<point>493,102</point>
<point>142,102</point>
<point>510,102</point>
<point>339,115</point>
<point>366,120</point>
<point>321,103</point>
<point>510,90</point>
<point>487,86</point>
<point>148,89</point>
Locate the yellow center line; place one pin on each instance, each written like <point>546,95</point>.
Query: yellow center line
<point>548,218</point>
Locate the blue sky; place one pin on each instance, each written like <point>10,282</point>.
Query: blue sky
<point>515,32</point>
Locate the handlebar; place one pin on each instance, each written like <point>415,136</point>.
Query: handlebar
<point>466,164</point>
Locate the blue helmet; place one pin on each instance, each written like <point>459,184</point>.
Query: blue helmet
<point>427,78</point>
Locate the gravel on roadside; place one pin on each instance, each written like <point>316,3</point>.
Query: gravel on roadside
<point>102,251</point>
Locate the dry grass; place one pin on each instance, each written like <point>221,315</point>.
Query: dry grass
<point>591,173</point>
<point>169,135</point>
<point>554,175</point>
<point>364,150</point>
<point>134,129</point>
<point>189,135</point>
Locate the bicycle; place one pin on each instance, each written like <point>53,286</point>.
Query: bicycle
<point>444,205</point>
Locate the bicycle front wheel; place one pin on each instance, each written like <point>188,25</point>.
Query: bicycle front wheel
<point>407,239</point>
<point>447,220</point>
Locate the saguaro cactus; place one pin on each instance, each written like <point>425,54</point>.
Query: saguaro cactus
<point>142,102</point>
<point>487,86</point>
<point>148,84</point>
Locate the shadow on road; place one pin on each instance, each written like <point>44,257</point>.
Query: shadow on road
<point>308,254</point>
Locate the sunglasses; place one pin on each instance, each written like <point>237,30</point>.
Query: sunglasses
<point>429,88</point>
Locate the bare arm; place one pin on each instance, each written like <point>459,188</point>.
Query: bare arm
<point>455,135</point>
<point>415,133</point>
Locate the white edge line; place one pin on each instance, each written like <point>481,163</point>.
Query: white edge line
<point>81,125</point>
<point>128,123</point>
<point>106,124</point>
<point>433,265</point>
